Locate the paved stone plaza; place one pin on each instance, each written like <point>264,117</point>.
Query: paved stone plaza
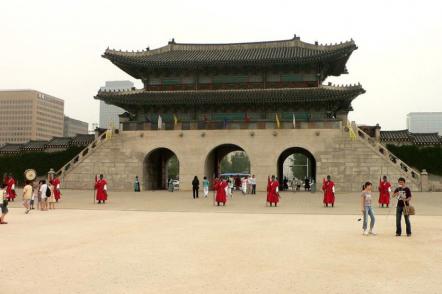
<point>174,244</point>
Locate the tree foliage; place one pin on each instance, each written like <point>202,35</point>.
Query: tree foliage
<point>41,162</point>
<point>173,167</point>
<point>235,162</point>
<point>429,158</point>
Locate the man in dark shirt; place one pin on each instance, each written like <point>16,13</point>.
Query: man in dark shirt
<point>403,195</point>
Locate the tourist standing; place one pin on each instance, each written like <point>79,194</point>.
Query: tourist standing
<point>136,185</point>
<point>34,197</point>
<point>10,189</point>
<point>3,205</point>
<point>42,195</point>
<point>51,196</point>
<point>195,187</point>
<point>27,195</point>
<point>403,195</point>
<point>253,181</point>
<point>101,187</point>
<point>244,185</point>
<point>328,186</point>
<point>307,184</point>
<point>205,187</point>
<point>384,192</point>
<point>273,191</point>
<point>170,185</point>
<point>231,185</point>
<point>55,183</point>
<point>367,209</point>
<point>221,192</point>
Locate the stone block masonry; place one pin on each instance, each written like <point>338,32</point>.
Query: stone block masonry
<point>349,163</point>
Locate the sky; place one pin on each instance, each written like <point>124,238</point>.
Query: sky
<point>55,46</point>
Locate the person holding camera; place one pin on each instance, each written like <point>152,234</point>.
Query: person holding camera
<point>403,195</point>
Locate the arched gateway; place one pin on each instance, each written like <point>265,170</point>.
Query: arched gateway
<point>155,168</point>
<point>296,162</point>
<point>203,100</point>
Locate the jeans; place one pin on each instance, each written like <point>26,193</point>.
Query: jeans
<point>368,211</point>
<point>399,211</point>
<point>254,189</point>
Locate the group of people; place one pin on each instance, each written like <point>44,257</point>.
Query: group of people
<point>42,194</point>
<point>403,195</point>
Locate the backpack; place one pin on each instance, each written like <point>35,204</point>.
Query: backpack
<point>48,192</point>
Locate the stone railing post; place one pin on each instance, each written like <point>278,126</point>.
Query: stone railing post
<point>425,185</point>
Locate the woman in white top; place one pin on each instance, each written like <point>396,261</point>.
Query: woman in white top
<point>367,209</point>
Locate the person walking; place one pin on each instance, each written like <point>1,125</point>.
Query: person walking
<point>3,205</point>
<point>195,187</point>
<point>403,195</point>
<point>27,195</point>
<point>230,185</point>
<point>206,187</point>
<point>384,192</point>
<point>367,209</point>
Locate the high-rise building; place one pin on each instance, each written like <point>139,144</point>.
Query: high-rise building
<point>73,127</point>
<point>424,122</point>
<point>29,115</point>
<point>109,113</point>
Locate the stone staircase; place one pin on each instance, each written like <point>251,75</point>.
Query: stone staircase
<point>109,156</point>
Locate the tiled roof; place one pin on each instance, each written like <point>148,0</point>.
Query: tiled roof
<point>344,94</point>
<point>198,56</point>
<point>11,148</point>
<point>83,139</point>
<point>59,142</point>
<point>33,145</point>
<point>414,138</point>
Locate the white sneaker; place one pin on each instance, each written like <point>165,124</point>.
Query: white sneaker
<point>372,233</point>
<point>365,233</point>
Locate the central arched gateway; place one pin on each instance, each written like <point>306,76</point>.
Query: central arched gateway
<point>212,165</point>
<point>299,163</point>
<point>155,168</point>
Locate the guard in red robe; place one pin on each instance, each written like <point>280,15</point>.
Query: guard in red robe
<point>56,184</point>
<point>273,192</point>
<point>384,192</point>
<point>221,193</point>
<point>329,192</point>
<point>101,187</point>
<point>10,189</point>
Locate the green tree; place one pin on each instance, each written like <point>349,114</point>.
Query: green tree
<point>298,165</point>
<point>173,167</point>
<point>235,162</point>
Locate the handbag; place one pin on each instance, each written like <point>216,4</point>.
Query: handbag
<point>408,209</point>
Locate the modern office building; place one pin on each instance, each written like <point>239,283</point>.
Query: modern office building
<point>109,113</point>
<point>424,122</point>
<point>73,127</point>
<point>29,115</point>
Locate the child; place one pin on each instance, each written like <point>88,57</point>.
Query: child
<point>3,205</point>
<point>367,209</point>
